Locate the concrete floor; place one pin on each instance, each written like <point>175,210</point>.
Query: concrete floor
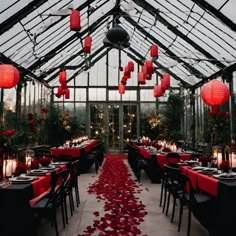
<point>155,222</point>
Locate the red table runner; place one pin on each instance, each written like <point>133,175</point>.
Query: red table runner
<point>200,181</point>
<point>143,152</point>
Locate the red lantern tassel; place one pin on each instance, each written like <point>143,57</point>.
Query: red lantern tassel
<point>75,20</point>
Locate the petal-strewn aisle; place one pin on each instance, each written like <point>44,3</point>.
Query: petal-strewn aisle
<point>123,211</point>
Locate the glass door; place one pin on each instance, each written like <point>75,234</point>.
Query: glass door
<point>113,124</point>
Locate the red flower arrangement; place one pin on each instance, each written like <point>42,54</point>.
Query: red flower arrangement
<point>9,132</point>
<point>224,166</point>
<point>21,168</point>
<point>44,161</point>
<point>34,164</point>
<point>123,210</point>
<point>166,149</point>
<point>44,111</point>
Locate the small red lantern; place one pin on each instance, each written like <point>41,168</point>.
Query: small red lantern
<point>121,88</point>
<point>9,76</point>
<point>149,66</point>
<point>127,72</point>
<point>141,78</point>
<point>64,86</point>
<point>62,76</point>
<point>157,91</point>
<point>124,80</point>
<point>215,93</point>
<point>59,91</point>
<point>75,20</point>
<point>131,66</point>
<point>87,44</point>
<point>144,70</point>
<point>154,51</point>
<point>165,81</point>
<point>67,93</point>
<point>149,77</point>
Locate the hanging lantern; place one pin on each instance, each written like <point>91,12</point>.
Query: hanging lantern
<point>149,77</point>
<point>124,80</point>
<point>121,88</point>
<point>165,82</point>
<point>214,93</point>
<point>127,72</point>
<point>157,91</point>
<point>59,91</point>
<point>57,95</point>
<point>141,78</point>
<point>75,20</point>
<point>64,86</point>
<point>67,93</point>
<point>9,76</point>
<point>144,70</point>
<point>87,44</point>
<point>62,76</point>
<point>154,51</point>
<point>131,66</point>
<point>149,66</point>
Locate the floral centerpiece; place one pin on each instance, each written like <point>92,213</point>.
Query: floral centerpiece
<point>44,161</point>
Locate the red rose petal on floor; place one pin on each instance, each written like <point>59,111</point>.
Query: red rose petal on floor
<point>96,213</point>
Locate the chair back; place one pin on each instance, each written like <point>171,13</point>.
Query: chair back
<point>57,187</point>
<point>172,159</point>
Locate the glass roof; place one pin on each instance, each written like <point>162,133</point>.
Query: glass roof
<point>195,39</point>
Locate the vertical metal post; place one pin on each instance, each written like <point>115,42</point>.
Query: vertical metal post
<point>1,105</point>
<point>87,124</point>
<point>192,103</point>
<point>74,96</point>
<point>106,115</point>
<point>138,115</point>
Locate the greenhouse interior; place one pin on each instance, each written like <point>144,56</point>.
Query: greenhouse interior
<point>117,117</point>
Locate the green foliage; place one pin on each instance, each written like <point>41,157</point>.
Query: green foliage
<point>171,123</point>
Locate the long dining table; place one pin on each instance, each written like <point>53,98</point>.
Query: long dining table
<point>222,213</point>
<point>16,199</point>
<point>73,152</point>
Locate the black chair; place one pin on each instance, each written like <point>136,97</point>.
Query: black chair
<point>171,186</point>
<point>48,204</point>
<point>72,183</point>
<point>197,203</point>
<point>173,158</point>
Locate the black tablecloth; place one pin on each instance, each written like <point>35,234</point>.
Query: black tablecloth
<point>16,217</point>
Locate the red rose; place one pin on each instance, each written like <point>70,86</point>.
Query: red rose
<point>9,132</point>
<point>30,115</point>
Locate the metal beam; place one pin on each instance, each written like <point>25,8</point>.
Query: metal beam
<point>185,84</point>
<point>52,53</point>
<point>92,63</point>
<point>219,73</point>
<point>224,19</point>
<point>155,13</point>
<point>187,66</point>
<point>74,67</point>
<point>12,20</point>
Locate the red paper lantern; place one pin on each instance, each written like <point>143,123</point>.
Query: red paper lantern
<point>157,91</point>
<point>149,66</point>
<point>9,76</point>
<point>131,66</point>
<point>75,20</point>
<point>144,70</point>
<point>62,76</point>
<point>64,86</point>
<point>141,78</point>
<point>67,93</point>
<point>121,88</point>
<point>154,51</point>
<point>165,81</point>
<point>149,77</point>
<point>215,93</point>
<point>87,44</point>
<point>127,72</point>
<point>59,91</point>
<point>124,80</point>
